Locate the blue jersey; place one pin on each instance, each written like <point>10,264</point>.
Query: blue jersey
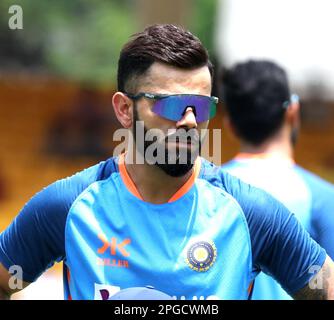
<point>209,241</point>
<point>305,194</point>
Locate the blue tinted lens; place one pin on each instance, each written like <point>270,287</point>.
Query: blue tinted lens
<point>173,107</point>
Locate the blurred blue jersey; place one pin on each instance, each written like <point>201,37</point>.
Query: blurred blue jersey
<point>209,241</point>
<point>309,197</point>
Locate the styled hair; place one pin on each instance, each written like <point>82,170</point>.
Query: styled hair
<point>164,43</point>
<point>253,94</point>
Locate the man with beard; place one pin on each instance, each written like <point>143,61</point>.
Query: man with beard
<point>183,227</point>
<point>264,115</point>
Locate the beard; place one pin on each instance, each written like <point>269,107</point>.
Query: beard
<point>176,162</point>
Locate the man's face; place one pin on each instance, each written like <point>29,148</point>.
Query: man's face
<point>179,139</point>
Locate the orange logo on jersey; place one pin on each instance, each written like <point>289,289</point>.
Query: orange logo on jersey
<point>113,245</point>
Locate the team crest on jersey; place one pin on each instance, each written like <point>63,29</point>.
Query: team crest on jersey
<point>201,255</point>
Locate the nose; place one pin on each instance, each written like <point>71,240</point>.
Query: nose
<point>188,120</point>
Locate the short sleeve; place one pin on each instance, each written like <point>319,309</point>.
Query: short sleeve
<point>322,199</point>
<point>281,247</point>
<point>35,240</point>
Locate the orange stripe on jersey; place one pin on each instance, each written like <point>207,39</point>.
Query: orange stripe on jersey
<point>126,178</point>
<point>178,194</point>
<point>250,288</point>
<point>186,187</point>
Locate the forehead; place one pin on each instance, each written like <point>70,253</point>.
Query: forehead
<point>163,78</point>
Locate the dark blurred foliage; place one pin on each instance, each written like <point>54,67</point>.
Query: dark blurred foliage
<point>80,39</point>
<point>77,39</point>
<point>202,22</point>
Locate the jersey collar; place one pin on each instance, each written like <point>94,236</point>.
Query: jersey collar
<point>177,195</point>
<point>264,156</point>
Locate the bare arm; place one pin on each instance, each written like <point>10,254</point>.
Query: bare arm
<point>5,280</point>
<point>321,286</point>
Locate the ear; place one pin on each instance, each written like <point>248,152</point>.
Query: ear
<point>123,109</point>
<point>292,115</point>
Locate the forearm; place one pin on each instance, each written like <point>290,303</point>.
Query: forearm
<point>321,286</point>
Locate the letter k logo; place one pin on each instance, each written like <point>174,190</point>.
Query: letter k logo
<point>113,245</point>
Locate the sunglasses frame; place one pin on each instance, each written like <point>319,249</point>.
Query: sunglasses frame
<point>154,96</point>
<point>294,98</point>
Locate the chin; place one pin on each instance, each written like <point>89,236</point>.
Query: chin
<point>176,170</point>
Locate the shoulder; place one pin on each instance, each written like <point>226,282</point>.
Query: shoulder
<point>316,184</point>
<point>41,223</point>
<point>265,215</point>
<point>64,191</point>
<point>321,192</point>
<point>50,206</point>
<point>274,232</point>
<point>78,182</point>
<point>322,221</point>
<point>230,165</point>
<point>262,211</point>
<point>249,197</point>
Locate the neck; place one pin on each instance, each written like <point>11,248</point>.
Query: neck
<point>153,184</point>
<point>279,145</point>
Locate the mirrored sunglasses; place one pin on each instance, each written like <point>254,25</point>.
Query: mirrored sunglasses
<point>173,107</point>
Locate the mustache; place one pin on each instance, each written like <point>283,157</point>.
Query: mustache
<point>184,136</point>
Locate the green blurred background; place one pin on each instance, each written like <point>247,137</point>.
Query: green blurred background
<point>57,76</point>
<point>80,40</point>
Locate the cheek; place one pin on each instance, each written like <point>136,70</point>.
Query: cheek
<point>145,114</point>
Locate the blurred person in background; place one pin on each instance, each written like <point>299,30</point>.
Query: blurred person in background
<point>176,221</point>
<point>263,114</point>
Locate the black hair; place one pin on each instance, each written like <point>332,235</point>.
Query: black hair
<point>164,43</point>
<point>253,94</point>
